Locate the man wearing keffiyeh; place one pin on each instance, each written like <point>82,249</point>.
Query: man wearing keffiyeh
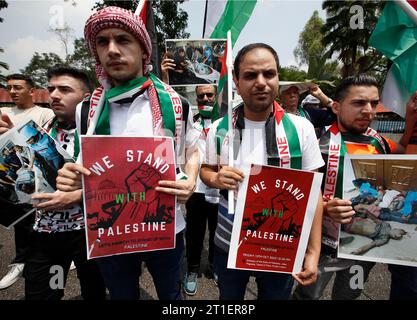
<point>132,101</point>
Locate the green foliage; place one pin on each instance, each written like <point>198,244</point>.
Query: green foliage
<point>39,65</point>
<point>312,52</point>
<point>351,44</point>
<point>170,21</point>
<point>3,5</point>
<point>292,73</point>
<point>82,59</point>
<point>3,65</point>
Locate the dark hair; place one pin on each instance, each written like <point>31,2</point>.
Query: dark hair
<point>357,80</point>
<point>19,76</point>
<point>242,52</point>
<point>205,85</point>
<point>58,71</point>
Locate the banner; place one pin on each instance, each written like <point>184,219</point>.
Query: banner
<point>29,164</point>
<point>383,192</point>
<point>123,211</point>
<point>274,214</point>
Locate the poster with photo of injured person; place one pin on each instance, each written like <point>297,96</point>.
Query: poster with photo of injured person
<point>123,211</point>
<point>383,192</point>
<point>195,61</point>
<point>29,163</point>
<point>274,214</point>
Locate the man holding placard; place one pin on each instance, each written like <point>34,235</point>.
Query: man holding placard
<point>261,125</point>
<point>134,102</point>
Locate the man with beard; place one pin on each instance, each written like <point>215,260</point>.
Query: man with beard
<point>59,235</point>
<point>202,205</point>
<point>257,120</point>
<point>356,101</point>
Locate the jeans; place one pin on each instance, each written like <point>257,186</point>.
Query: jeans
<point>121,272</point>
<point>232,283</point>
<point>329,265</point>
<point>403,282</point>
<point>59,249</point>
<point>22,233</point>
<point>199,212</point>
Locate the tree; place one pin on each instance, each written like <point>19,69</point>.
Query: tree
<point>292,73</point>
<point>312,52</point>
<point>38,66</point>
<point>3,5</point>
<point>170,21</point>
<point>3,65</point>
<point>64,35</point>
<point>82,59</point>
<point>348,27</point>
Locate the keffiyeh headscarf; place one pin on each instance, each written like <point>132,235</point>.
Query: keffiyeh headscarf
<point>115,17</point>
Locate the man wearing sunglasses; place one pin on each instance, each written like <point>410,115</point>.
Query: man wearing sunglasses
<point>202,205</point>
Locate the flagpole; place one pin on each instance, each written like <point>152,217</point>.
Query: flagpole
<point>139,7</point>
<point>205,19</point>
<point>408,9</point>
<point>229,64</point>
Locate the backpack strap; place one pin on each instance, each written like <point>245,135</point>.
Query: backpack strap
<point>185,111</point>
<point>85,108</point>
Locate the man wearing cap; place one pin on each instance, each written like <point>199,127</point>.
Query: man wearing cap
<point>290,97</point>
<point>132,101</point>
<point>310,101</point>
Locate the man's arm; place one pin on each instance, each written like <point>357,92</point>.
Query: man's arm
<point>309,272</point>
<point>226,178</point>
<point>57,200</point>
<point>410,121</point>
<point>316,92</point>
<point>183,189</point>
<point>5,123</point>
<point>166,65</point>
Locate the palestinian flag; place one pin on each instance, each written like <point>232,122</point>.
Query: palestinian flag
<point>220,17</point>
<point>145,11</point>
<point>395,36</point>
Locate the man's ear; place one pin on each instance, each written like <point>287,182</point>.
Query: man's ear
<point>336,107</point>
<point>236,81</point>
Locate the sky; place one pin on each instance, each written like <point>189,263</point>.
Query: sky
<point>26,23</point>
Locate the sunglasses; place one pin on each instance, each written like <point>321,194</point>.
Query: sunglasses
<point>201,95</point>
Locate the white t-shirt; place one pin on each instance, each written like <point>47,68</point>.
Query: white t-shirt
<point>68,219</point>
<point>38,114</point>
<point>253,146</point>
<point>211,195</point>
<point>136,119</point>
<point>253,150</point>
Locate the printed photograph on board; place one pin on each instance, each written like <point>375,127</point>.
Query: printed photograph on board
<point>196,61</point>
<point>383,192</point>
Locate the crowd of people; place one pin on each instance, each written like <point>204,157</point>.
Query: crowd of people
<point>121,46</point>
